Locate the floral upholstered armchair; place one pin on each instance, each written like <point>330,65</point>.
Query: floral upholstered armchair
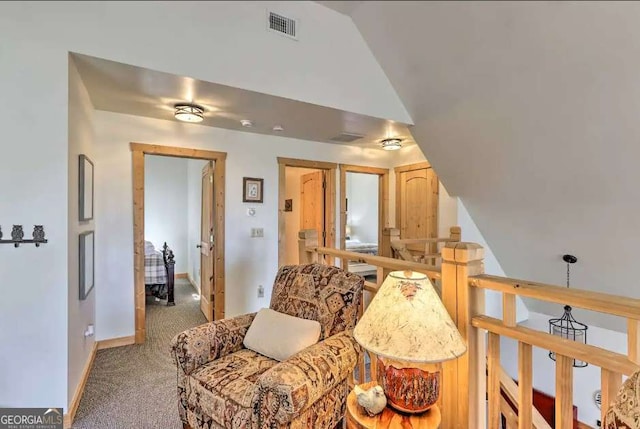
<point>624,413</point>
<point>221,384</point>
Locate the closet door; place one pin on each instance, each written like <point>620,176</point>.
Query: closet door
<point>417,201</point>
<point>312,189</point>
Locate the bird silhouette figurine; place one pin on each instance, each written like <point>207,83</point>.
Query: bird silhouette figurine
<point>372,400</point>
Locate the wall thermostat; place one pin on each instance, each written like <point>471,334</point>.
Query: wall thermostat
<point>597,398</point>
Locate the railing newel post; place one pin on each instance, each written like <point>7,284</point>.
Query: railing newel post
<point>464,379</point>
<point>307,239</point>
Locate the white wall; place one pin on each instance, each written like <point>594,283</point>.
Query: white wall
<point>362,210</point>
<point>34,76</point>
<point>194,214</point>
<point>165,205</point>
<point>292,218</point>
<point>249,262</point>
<point>471,234</point>
<point>81,313</point>
<point>34,170</point>
<point>537,134</point>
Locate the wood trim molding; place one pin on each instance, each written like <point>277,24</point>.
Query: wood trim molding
<point>282,185</point>
<point>363,169</point>
<point>138,151</point>
<point>116,342</point>
<point>178,152</point>
<point>411,167</point>
<point>331,170</point>
<point>181,276</point>
<point>383,200</point>
<point>75,401</point>
<point>138,244</point>
<point>306,163</point>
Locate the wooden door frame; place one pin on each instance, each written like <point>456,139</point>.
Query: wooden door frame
<point>404,169</point>
<point>138,152</point>
<point>329,199</point>
<point>383,199</point>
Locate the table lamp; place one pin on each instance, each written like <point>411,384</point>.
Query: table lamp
<point>408,328</point>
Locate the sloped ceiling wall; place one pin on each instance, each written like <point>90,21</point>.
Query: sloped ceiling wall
<point>530,112</point>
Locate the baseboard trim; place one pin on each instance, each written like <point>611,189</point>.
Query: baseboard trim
<point>75,402</point>
<point>116,342</point>
<point>182,276</point>
<point>193,283</point>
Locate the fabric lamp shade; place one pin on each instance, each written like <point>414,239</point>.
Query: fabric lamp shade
<point>406,321</point>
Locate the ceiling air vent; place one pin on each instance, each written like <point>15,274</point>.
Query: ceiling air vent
<point>346,138</point>
<point>283,25</point>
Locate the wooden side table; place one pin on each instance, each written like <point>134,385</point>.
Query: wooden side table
<point>357,417</point>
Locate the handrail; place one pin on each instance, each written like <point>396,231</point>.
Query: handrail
<point>605,303</point>
<point>594,355</point>
<point>309,251</point>
<point>425,240</point>
<point>466,399</point>
<point>379,261</point>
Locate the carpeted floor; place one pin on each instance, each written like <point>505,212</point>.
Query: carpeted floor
<point>134,387</point>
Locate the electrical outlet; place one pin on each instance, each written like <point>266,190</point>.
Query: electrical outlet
<point>260,291</point>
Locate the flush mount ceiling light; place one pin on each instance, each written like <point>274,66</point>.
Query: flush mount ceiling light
<point>278,128</point>
<point>189,113</point>
<point>391,144</point>
<point>246,123</point>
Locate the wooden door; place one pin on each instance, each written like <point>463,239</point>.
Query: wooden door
<point>417,202</point>
<point>312,189</point>
<point>207,244</point>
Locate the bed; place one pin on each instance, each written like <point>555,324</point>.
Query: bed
<point>159,272</point>
<point>355,245</point>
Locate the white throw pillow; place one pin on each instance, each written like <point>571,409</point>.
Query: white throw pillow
<point>279,336</point>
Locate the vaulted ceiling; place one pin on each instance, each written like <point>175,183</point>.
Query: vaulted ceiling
<point>529,112</point>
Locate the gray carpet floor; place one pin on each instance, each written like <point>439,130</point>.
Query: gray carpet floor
<point>135,386</point>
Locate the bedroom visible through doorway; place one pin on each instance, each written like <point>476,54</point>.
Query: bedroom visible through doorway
<point>178,234</point>
<point>172,229</point>
<point>364,213</point>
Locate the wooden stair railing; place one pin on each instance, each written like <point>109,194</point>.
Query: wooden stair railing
<point>472,384</point>
<point>509,390</point>
<point>422,250</point>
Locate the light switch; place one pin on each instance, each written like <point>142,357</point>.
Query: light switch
<point>257,232</point>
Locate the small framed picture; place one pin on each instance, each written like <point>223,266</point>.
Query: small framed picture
<point>86,262</point>
<point>288,205</point>
<point>85,191</point>
<point>252,190</point>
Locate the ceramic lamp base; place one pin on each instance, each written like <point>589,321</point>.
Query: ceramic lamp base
<point>410,387</point>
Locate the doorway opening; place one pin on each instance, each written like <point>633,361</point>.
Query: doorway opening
<point>306,200</point>
<point>208,242</point>
<point>364,213</point>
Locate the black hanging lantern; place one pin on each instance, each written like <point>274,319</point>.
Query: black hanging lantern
<point>567,326</point>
